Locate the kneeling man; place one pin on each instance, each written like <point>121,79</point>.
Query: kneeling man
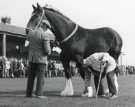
<point>95,63</point>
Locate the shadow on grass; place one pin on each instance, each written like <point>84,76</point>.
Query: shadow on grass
<point>47,93</point>
<point>12,93</point>
<point>21,93</point>
<point>57,94</point>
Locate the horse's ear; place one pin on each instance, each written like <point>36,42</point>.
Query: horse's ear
<point>38,6</point>
<point>34,7</point>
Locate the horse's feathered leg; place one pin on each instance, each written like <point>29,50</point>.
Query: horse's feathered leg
<point>68,91</point>
<point>85,74</point>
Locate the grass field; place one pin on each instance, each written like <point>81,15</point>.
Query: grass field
<point>12,94</point>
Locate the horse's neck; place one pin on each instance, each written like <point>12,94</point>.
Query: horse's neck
<point>62,27</point>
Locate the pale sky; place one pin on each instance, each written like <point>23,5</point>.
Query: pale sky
<point>118,14</point>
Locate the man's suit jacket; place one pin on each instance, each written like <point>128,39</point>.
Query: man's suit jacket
<point>37,53</point>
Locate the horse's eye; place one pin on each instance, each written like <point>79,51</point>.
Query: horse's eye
<point>32,14</point>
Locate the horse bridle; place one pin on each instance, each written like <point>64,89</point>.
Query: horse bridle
<point>39,23</point>
<point>43,13</point>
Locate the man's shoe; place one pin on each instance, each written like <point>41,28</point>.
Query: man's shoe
<point>102,95</point>
<point>113,96</point>
<point>40,96</point>
<point>84,94</point>
<point>29,96</point>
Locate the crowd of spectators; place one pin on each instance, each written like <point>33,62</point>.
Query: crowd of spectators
<point>12,67</point>
<point>18,68</point>
<point>126,69</point>
<point>55,69</point>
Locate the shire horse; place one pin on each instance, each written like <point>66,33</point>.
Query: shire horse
<point>75,41</point>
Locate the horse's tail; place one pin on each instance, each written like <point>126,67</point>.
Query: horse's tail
<point>117,44</point>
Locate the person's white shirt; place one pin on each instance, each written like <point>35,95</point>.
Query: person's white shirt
<point>56,49</point>
<point>95,60</point>
<point>26,43</point>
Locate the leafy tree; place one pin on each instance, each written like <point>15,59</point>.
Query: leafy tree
<point>6,20</point>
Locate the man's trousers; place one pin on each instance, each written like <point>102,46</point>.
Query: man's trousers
<point>36,70</point>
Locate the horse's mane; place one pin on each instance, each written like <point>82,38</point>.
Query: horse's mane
<point>56,11</point>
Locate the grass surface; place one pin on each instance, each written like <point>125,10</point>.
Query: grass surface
<point>12,93</point>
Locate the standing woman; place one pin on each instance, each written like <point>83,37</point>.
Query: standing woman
<point>39,49</point>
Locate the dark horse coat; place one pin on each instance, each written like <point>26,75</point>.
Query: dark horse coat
<point>86,42</point>
<point>83,43</point>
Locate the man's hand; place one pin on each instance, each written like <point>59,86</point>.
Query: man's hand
<point>103,63</point>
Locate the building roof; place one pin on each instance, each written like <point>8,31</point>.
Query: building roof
<point>12,30</point>
<point>16,31</point>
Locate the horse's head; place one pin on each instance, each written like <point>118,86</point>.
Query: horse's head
<point>37,19</point>
<point>59,24</point>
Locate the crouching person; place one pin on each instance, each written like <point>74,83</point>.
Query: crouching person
<point>98,61</point>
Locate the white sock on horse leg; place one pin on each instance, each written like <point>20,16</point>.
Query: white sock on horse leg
<point>68,91</point>
<point>64,91</point>
<point>70,86</point>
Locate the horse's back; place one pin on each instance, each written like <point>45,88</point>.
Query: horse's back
<point>88,41</point>
<point>102,39</point>
<point>112,38</point>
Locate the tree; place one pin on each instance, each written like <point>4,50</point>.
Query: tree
<point>6,20</point>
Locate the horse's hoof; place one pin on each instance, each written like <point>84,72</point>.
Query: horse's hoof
<point>63,93</point>
<point>87,95</point>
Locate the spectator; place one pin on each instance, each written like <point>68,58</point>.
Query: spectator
<point>21,68</point>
